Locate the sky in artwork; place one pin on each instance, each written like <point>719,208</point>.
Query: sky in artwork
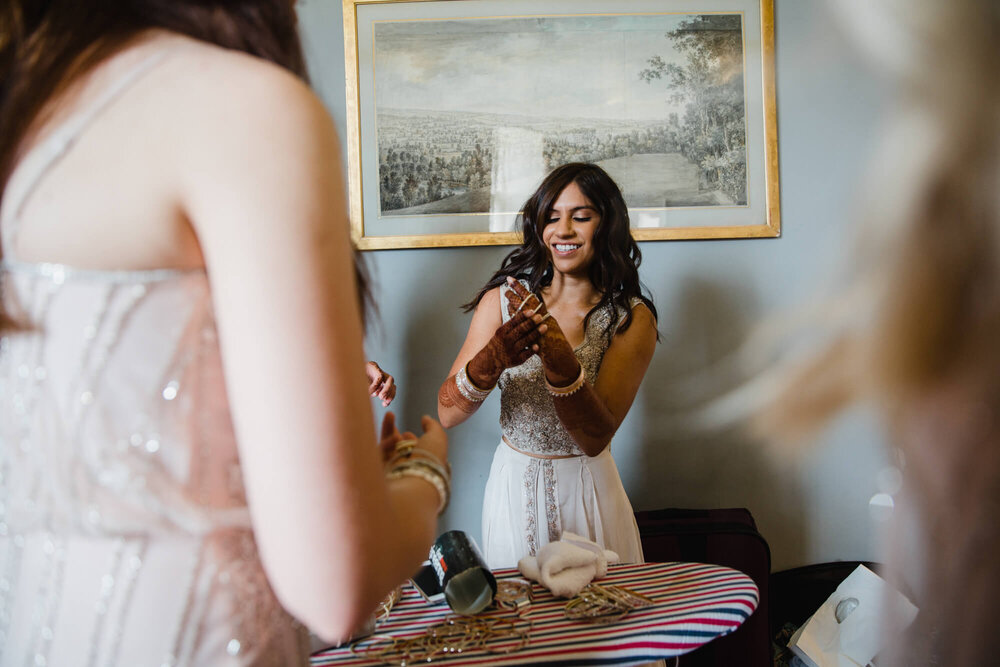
<point>584,67</point>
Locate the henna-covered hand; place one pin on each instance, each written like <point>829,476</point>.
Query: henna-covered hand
<point>513,343</point>
<point>582,413</point>
<point>561,364</point>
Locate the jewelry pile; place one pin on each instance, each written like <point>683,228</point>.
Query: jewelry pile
<point>513,595</point>
<point>604,604</point>
<point>454,635</point>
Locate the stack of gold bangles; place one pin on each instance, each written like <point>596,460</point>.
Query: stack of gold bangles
<point>408,460</point>
<point>454,635</point>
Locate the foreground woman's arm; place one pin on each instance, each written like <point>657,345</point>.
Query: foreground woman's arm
<point>258,175</point>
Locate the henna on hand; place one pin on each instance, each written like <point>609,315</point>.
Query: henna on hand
<point>519,298</point>
<point>514,342</point>
<point>558,358</point>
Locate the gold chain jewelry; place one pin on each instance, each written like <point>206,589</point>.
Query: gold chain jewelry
<point>514,595</point>
<point>604,604</point>
<point>454,635</point>
<point>387,603</point>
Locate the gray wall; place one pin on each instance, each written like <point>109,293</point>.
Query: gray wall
<point>709,293</point>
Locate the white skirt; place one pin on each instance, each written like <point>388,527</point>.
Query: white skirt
<point>530,501</point>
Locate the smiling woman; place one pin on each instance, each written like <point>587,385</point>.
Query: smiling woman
<point>569,233</point>
<point>565,332</point>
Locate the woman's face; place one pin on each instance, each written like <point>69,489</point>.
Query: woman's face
<point>569,231</point>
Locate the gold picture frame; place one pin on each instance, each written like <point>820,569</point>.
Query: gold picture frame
<point>457,108</point>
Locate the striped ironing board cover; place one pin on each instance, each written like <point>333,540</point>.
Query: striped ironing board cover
<point>694,604</point>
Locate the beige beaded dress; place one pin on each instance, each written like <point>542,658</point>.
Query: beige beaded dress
<point>540,482</point>
<point>125,537</point>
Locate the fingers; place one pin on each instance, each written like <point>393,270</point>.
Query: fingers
<point>390,436</point>
<point>434,436</point>
<point>374,375</point>
<point>520,290</point>
<point>389,425</point>
<point>528,330</point>
<point>428,423</point>
<point>387,390</point>
<point>520,298</point>
<point>513,303</point>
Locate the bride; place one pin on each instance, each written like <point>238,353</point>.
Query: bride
<point>565,332</point>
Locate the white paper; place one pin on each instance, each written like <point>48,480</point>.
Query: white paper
<point>823,642</point>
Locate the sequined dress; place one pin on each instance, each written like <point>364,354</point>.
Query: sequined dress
<point>125,537</point>
<point>550,485</point>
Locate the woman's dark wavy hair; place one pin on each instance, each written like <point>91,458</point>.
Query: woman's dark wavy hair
<point>46,45</point>
<point>615,269</point>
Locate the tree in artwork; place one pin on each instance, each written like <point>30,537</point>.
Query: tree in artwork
<point>712,133</point>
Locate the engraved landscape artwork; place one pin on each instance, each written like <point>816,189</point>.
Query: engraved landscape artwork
<point>471,113</point>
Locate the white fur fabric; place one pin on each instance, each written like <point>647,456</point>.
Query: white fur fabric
<point>567,565</point>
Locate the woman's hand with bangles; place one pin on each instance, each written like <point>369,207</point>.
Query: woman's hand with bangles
<point>558,358</point>
<point>434,440</point>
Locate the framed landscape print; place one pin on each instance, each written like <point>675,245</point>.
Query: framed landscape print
<point>456,110</point>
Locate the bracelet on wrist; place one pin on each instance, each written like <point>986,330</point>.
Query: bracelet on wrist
<point>417,454</point>
<point>569,389</point>
<point>435,468</point>
<point>431,473</point>
<point>468,389</point>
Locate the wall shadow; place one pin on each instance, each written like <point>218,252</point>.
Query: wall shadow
<point>429,330</point>
<point>684,463</point>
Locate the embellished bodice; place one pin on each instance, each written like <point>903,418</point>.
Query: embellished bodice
<point>114,409</point>
<point>121,492</point>
<point>528,417</point>
<point>125,534</point>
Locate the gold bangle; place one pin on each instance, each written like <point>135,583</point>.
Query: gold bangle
<point>404,447</point>
<point>417,453</point>
<point>429,474</point>
<point>571,388</point>
<point>433,466</point>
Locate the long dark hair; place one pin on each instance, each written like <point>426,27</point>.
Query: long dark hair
<point>46,45</point>
<point>615,269</point>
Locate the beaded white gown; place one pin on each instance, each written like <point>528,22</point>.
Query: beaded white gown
<point>548,485</point>
<point>125,537</point>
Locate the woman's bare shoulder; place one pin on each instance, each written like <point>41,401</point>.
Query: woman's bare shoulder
<point>211,78</point>
<point>491,299</point>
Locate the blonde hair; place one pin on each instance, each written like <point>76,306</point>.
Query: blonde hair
<point>924,339</point>
<point>927,293</point>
